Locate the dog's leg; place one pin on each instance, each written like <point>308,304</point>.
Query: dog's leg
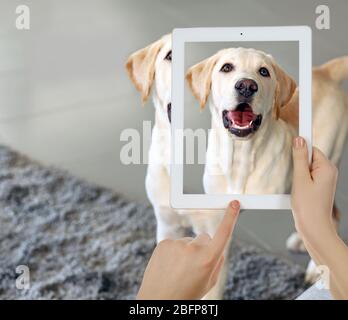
<point>294,243</point>
<point>312,274</point>
<point>169,224</point>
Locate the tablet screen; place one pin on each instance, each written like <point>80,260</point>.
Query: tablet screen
<point>239,116</point>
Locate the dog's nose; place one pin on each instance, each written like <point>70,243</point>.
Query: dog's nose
<point>246,87</point>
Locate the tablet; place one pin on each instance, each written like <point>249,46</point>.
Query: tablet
<point>229,138</point>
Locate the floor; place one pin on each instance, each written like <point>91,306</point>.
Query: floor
<point>65,97</point>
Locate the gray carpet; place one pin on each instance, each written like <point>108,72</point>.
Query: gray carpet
<point>82,241</point>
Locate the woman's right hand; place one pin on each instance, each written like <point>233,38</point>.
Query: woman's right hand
<point>312,197</point>
<point>313,193</point>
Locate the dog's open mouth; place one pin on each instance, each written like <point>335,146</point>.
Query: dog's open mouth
<point>242,121</point>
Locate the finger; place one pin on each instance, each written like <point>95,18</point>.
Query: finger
<point>225,228</point>
<point>216,273</point>
<point>300,161</point>
<point>202,239</point>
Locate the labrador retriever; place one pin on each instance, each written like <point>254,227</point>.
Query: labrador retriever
<point>151,67</point>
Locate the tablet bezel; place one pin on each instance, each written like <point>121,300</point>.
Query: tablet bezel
<point>303,35</point>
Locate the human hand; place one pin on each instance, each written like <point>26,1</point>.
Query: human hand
<point>313,192</point>
<point>188,268</point>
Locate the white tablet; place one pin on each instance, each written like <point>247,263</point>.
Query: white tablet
<point>229,137</point>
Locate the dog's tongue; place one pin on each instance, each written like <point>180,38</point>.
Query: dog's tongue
<point>241,118</point>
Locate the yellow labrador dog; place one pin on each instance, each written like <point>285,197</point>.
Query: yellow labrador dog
<point>255,116</point>
<point>147,68</point>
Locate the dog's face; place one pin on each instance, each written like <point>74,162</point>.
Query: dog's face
<point>246,86</point>
<point>242,89</point>
<point>152,66</point>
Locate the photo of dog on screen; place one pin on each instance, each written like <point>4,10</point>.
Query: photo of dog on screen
<point>249,148</point>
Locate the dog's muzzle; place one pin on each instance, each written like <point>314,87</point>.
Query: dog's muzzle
<point>242,121</point>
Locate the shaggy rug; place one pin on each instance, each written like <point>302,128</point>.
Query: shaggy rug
<point>81,241</point>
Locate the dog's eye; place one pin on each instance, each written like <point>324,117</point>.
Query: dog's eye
<point>264,72</point>
<point>168,56</point>
<point>227,67</point>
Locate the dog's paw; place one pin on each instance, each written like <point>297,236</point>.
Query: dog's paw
<point>295,243</point>
<point>312,275</point>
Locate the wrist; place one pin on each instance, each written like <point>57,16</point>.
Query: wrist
<point>323,239</point>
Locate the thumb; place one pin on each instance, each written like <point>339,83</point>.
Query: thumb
<point>300,160</point>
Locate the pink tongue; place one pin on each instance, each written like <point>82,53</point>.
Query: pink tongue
<point>241,118</point>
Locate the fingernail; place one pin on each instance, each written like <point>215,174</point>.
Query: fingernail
<point>234,204</point>
<point>298,142</point>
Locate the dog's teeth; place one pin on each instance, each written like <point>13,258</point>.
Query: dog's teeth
<point>239,127</point>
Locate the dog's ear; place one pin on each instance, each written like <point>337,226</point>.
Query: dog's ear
<point>285,89</point>
<point>141,67</point>
<point>199,79</point>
